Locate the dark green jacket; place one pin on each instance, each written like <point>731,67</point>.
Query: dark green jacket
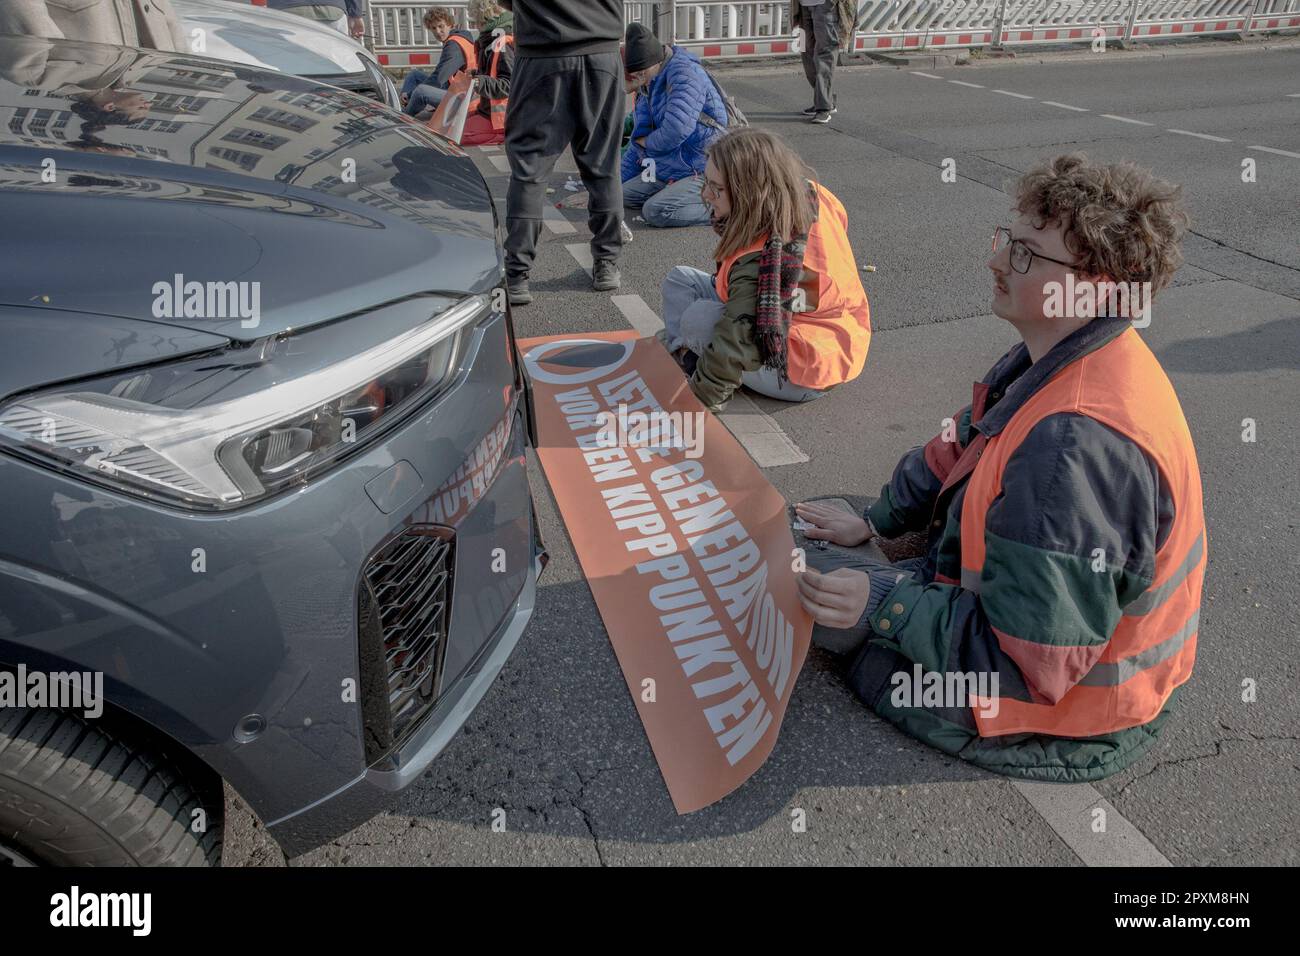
<point>1074,485</point>
<point>733,350</point>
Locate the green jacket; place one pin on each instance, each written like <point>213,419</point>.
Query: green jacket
<point>1073,485</point>
<point>733,350</point>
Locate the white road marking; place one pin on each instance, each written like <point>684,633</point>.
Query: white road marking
<point>1280,152</point>
<point>1065,106</point>
<point>761,436</point>
<point>1293,94</point>
<point>638,314</point>
<point>554,220</point>
<point>1019,96</point>
<point>975,86</point>
<point>500,161</point>
<point>490,149</point>
<point>1125,119</point>
<point>1068,810</point>
<point>582,252</point>
<point>1188,132</point>
<point>928,76</point>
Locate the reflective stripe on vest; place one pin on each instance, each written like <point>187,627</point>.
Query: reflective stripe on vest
<point>827,345</point>
<point>496,105</point>
<point>1153,647</point>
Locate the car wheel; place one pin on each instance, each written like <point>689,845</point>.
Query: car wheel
<point>73,793</point>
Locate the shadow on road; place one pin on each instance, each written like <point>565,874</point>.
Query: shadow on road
<point>1275,344</point>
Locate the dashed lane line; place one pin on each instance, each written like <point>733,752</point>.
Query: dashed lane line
<point>1280,152</point>
<point>582,252</point>
<point>1065,106</point>
<point>1098,839</point>
<point>928,76</point>
<point>500,161</point>
<point>1019,96</point>
<point>639,315</point>
<point>1188,132</point>
<point>1125,119</point>
<point>973,86</point>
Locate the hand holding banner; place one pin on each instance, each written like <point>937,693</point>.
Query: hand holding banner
<point>449,119</point>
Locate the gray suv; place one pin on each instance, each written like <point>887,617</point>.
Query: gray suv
<point>262,453</point>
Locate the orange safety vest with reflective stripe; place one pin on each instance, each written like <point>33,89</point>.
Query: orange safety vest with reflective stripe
<point>496,104</point>
<point>827,345</point>
<point>1152,649</point>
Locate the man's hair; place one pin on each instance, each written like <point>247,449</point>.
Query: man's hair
<point>1118,220</point>
<point>481,11</point>
<point>436,15</point>
<point>768,185</point>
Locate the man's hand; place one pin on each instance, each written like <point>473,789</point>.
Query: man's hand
<point>836,599</point>
<point>356,27</point>
<point>640,141</point>
<point>833,524</point>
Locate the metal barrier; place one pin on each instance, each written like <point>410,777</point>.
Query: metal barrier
<point>757,28</point>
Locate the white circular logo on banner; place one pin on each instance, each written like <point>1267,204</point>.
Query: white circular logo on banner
<point>534,356</point>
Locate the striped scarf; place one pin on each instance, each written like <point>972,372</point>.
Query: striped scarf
<point>780,267</point>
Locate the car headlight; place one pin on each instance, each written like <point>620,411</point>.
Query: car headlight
<point>222,430</point>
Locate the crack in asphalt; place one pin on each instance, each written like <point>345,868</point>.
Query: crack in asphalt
<point>1218,752</point>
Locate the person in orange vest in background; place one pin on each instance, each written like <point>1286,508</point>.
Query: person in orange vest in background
<point>1055,614</point>
<point>785,313</point>
<point>495,52</point>
<point>421,91</point>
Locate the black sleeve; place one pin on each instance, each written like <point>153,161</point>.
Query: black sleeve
<point>450,63</point>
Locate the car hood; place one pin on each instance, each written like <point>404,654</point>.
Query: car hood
<point>316,202</point>
<point>268,38</point>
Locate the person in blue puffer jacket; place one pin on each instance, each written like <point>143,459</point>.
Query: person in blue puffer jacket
<point>679,112</point>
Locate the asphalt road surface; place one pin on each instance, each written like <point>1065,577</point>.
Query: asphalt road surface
<point>557,743</point>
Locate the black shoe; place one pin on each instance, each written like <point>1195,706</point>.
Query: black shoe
<point>604,276</point>
<point>517,289</point>
<point>821,118</point>
<point>813,111</point>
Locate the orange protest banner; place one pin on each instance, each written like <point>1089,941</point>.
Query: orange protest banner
<point>687,550</point>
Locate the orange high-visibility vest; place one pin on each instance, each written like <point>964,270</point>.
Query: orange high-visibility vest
<point>497,104</point>
<point>1152,649</point>
<point>827,345</point>
<point>467,49</point>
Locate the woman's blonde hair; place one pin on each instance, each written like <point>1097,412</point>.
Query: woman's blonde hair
<point>768,184</point>
<point>481,11</point>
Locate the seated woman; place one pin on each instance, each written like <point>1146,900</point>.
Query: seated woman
<point>785,313</point>
<point>495,53</point>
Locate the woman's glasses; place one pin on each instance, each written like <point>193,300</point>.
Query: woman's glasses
<point>710,190</point>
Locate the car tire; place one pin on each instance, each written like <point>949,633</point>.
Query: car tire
<point>76,794</point>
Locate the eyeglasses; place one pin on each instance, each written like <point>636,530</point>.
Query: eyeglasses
<point>1022,257</point>
<point>710,190</point>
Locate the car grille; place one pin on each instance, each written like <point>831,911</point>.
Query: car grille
<point>404,613</point>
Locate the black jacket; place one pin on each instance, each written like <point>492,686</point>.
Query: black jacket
<point>567,27</point>
<point>492,87</point>
<point>452,60</point>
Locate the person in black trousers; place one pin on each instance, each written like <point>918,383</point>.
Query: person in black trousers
<point>566,90</point>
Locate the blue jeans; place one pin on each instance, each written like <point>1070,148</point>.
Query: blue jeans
<point>667,204</point>
<point>414,79</point>
<point>691,310</point>
<point>424,96</point>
